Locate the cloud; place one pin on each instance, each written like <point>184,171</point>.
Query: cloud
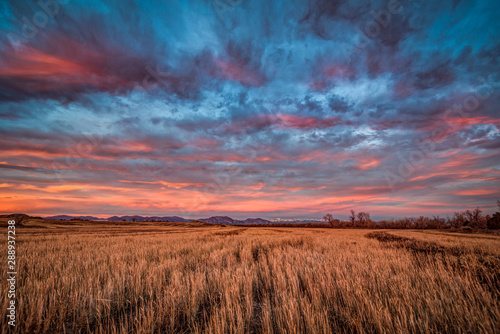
<point>116,107</point>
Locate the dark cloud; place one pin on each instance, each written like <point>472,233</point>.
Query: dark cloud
<point>437,76</point>
<point>338,104</point>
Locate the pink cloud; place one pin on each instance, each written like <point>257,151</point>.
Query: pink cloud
<point>235,70</point>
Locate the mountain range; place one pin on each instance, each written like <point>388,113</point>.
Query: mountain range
<point>213,220</point>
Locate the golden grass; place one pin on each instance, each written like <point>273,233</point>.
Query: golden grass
<point>471,242</point>
<point>194,278</point>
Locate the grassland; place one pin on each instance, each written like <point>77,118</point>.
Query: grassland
<point>199,278</point>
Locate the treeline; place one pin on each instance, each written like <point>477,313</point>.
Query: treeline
<point>303,225</point>
<point>469,219</point>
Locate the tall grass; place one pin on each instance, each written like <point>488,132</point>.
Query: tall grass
<point>236,280</point>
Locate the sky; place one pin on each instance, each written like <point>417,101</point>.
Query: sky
<point>249,108</point>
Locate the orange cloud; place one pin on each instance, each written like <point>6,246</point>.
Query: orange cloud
<point>475,192</point>
<point>44,72</point>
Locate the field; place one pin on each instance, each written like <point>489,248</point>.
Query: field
<point>199,278</point>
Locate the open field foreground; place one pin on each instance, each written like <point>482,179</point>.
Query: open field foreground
<point>199,278</point>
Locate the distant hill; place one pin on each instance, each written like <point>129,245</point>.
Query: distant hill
<point>212,220</point>
<point>148,219</point>
<point>257,221</point>
<point>230,221</point>
<point>219,220</point>
<point>12,215</point>
<point>65,217</point>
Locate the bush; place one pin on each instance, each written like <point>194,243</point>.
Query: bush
<point>494,222</point>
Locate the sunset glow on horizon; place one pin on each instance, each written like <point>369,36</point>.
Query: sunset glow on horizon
<point>257,109</point>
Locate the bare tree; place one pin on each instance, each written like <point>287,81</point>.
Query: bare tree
<point>475,217</point>
<point>352,218</point>
<point>477,214</point>
<point>334,223</point>
<point>468,216</point>
<point>494,221</point>
<point>328,218</point>
<point>363,219</point>
<point>458,219</point>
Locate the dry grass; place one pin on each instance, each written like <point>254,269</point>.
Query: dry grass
<point>194,278</point>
